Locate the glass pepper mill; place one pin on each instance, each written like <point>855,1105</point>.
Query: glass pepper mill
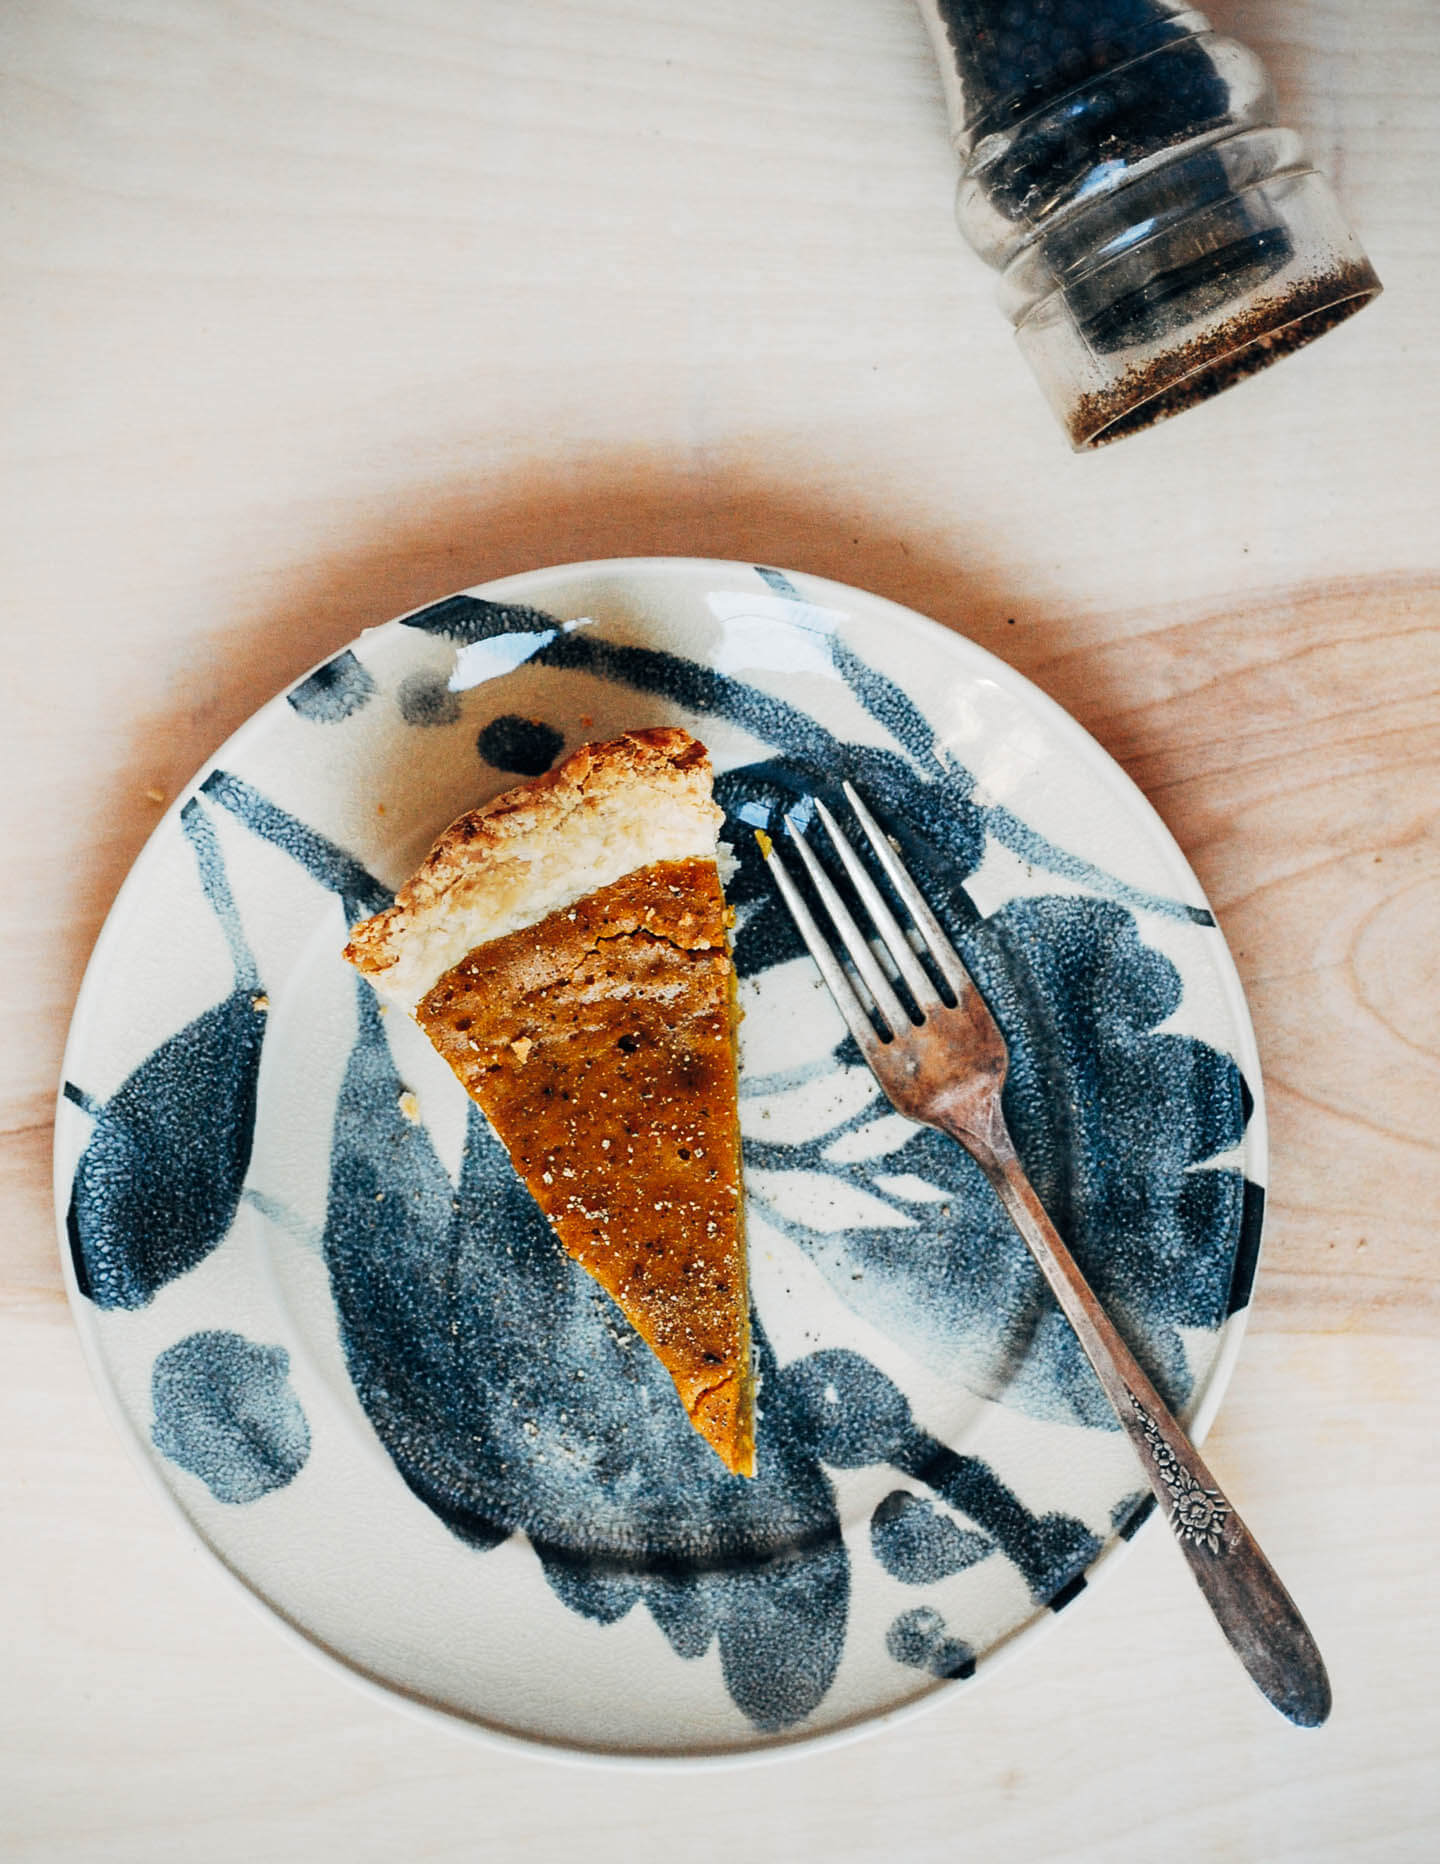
<point>1158,237</point>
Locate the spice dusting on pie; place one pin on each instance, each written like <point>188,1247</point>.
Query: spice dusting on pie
<point>565,949</point>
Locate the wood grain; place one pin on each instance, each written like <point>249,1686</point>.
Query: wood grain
<point>1294,749</point>
<point>311,314</point>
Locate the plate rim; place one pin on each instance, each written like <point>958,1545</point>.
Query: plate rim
<point>1253,1147</point>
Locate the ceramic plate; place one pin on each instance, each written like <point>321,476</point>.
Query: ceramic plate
<point>374,1385</point>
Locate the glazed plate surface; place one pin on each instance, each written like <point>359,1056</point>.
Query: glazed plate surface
<point>350,1349</point>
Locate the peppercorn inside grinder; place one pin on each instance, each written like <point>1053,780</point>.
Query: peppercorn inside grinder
<point>1158,237</point>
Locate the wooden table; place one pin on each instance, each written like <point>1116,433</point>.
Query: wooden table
<point>313,313</point>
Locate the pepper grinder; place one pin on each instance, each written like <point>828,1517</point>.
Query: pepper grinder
<point>1158,237</point>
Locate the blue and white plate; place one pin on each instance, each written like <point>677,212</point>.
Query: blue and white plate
<point>338,1330</point>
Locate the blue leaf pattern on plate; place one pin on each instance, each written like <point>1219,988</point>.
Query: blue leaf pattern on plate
<point>917,1545</point>
<point>854,1417</point>
<point>506,1388</point>
<point>224,1410</point>
<point>1110,1119</point>
<point>360,892</point>
<point>514,1397</point>
<point>918,1638</point>
<point>335,691</point>
<point>157,1185</point>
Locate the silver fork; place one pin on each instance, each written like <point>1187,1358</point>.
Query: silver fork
<point>947,1071</point>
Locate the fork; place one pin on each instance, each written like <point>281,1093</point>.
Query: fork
<point>947,1071</point>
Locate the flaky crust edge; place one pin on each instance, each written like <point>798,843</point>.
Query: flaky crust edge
<point>484,835</point>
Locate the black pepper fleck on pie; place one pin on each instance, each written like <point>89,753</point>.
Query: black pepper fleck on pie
<point>565,948</point>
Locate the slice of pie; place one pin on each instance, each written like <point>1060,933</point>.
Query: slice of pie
<point>565,949</point>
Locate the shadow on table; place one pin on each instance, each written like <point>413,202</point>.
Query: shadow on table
<point>453,535</point>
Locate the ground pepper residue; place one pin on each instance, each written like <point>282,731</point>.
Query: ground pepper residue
<point>1217,359</point>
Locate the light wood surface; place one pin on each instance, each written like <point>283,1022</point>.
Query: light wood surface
<point>312,313</point>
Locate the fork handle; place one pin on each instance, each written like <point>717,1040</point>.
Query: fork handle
<point>1254,1610</point>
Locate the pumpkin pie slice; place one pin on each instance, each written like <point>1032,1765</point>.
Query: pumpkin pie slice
<point>565,949</point>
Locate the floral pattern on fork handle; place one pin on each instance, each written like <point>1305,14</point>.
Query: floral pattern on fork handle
<point>1196,1513</point>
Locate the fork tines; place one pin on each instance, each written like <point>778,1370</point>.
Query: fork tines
<point>894,941</point>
